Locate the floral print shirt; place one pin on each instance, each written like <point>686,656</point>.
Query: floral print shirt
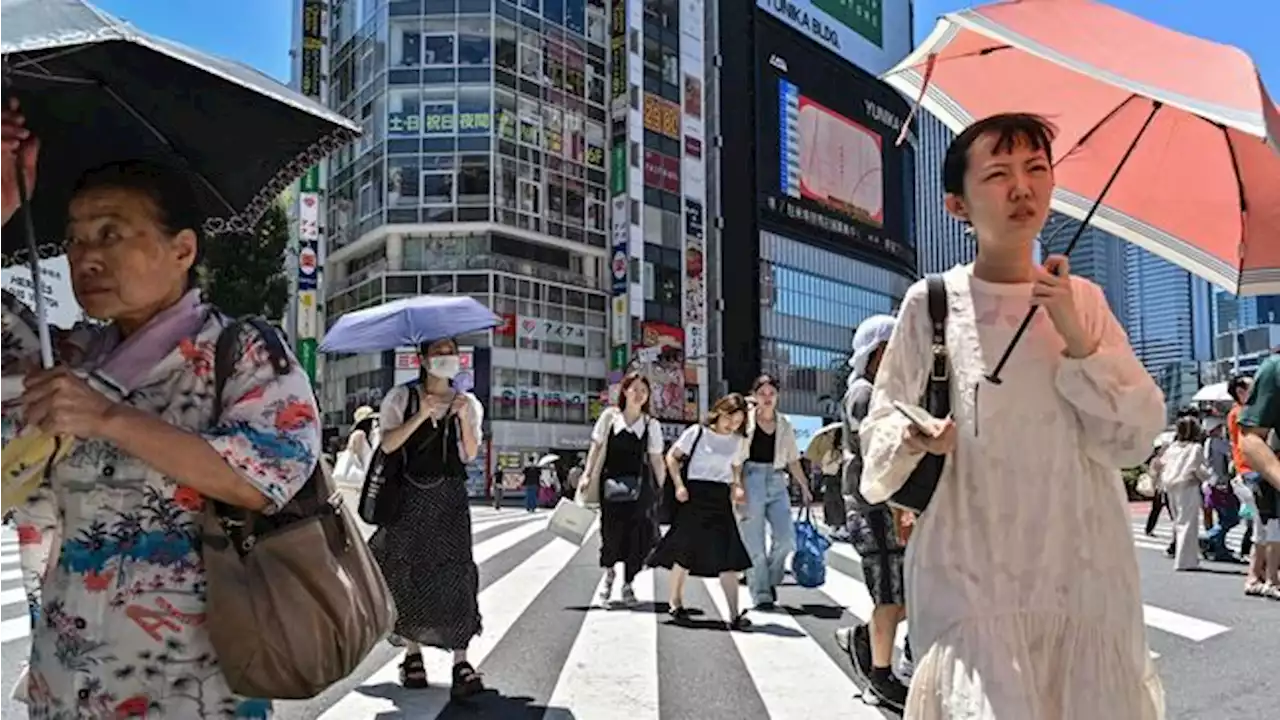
<point>118,626</point>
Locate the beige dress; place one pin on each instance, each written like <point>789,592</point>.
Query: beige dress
<point>1022,585</point>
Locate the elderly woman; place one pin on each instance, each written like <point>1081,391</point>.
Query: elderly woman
<point>113,529</point>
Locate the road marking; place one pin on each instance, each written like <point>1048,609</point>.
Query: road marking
<point>1181,625</point>
<point>13,595</point>
<point>786,665</point>
<point>15,628</point>
<point>6,575</point>
<point>613,663</point>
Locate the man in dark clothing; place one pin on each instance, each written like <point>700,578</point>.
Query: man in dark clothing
<point>532,476</point>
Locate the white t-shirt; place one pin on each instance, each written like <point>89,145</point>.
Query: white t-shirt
<point>716,454</point>
<point>613,420</point>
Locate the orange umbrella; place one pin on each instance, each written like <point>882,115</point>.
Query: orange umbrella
<point>1187,122</point>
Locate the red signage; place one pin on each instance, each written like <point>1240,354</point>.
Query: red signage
<point>661,171</point>
<point>692,146</point>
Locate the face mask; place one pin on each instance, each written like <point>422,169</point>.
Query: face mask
<point>444,367</point>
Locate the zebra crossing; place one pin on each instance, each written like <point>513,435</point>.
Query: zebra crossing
<point>548,641</point>
<point>15,623</point>
<point>549,648</point>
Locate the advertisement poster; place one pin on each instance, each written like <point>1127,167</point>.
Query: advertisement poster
<point>693,164</point>
<point>55,280</point>
<point>660,357</point>
<point>870,34</point>
<point>828,166</point>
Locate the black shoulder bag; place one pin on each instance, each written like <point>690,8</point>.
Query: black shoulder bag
<point>379,500</point>
<point>626,488</point>
<point>916,493</point>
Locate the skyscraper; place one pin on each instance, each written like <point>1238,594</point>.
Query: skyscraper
<point>1099,256</point>
<point>941,239</point>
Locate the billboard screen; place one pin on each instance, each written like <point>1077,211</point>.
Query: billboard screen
<point>871,34</point>
<point>828,163</point>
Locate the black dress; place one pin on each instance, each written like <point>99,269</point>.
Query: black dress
<point>425,554</point>
<point>627,530</point>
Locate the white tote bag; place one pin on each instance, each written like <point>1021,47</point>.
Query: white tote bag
<point>571,521</point>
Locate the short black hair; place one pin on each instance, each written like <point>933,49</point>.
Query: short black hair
<point>1187,429</point>
<point>765,379</point>
<point>1235,384</point>
<point>1009,129</point>
<point>170,190</point>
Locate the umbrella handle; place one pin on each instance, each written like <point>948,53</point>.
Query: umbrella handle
<point>33,262</point>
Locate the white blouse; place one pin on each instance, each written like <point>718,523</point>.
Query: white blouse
<point>716,455</point>
<point>613,421</point>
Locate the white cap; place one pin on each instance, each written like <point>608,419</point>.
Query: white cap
<point>871,334</point>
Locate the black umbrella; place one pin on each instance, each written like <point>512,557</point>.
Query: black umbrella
<point>97,90</point>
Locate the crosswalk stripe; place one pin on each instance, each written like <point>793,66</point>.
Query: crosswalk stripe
<point>1193,629</point>
<point>487,549</point>
<point>7,575</point>
<point>786,667</point>
<point>501,604</point>
<point>613,663</point>
<point>15,628</point>
<point>13,595</point>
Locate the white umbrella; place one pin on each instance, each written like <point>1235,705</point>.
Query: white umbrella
<point>823,442</point>
<point>1216,392</point>
<point>546,460</point>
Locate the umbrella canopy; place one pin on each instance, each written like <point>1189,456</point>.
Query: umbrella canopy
<point>411,321</point>
<point>97,90</point>
<point>547,460</point>
<point>823,442</point>
<point>1202,186</point>
<point>1216,392</point>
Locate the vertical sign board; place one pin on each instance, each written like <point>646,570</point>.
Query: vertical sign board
<point>693,185</point>
<point>309,198</point>
<point>619,184</point>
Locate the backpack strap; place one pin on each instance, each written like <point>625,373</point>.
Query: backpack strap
<point>937,288</point>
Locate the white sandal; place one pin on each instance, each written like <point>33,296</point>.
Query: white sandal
<point>607,591</point>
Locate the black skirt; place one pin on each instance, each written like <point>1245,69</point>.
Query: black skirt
<point>704,535</point>
<point>628,531</point>
<point>425,556</point>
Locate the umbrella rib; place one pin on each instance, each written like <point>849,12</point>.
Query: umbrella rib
<point>51,77</point>
<point>162,138</point>
<point>1244,202</point>
<point>1089,134</point>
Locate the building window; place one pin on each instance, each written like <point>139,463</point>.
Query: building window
<point>409,50</point>
<point>555,197</point>
<point>530,123</point>
<point>530,197</point>
<point>473,180</point>
<point>402,182</point>
<point>438,48</point>
<point>671,66</point>
<point>595,25</point>
<point>438,117</point>
<point>438,188</point>
<point>504,36</point>
<point>531,55</point>
<point>595,215</point>
<point>553,125</point>
<point>473,41</point>
<point>404,108</point>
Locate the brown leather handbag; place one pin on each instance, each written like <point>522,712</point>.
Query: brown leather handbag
<point>295,598</point>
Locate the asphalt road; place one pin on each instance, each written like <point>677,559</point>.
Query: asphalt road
<point>555,653</point>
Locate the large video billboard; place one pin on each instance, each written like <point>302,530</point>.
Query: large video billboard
<point>826,153</point>
<point>872,34</point>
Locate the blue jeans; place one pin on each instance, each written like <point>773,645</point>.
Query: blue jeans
<point>531,498</point>
<point>768,501</point>
<point>1216,538</point>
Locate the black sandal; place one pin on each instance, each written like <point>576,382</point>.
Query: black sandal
<point>679,613</point>
<point>413,674</point>
<point>466,681</point>
<point>741,622</point>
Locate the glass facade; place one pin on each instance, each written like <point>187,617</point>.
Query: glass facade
<point>473,111</point>
<point>481,171</point>
<point>941,241</point>
<point>811,301</point>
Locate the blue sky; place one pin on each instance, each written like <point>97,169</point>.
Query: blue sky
<point>257,31</point>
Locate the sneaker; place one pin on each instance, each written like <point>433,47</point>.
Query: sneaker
<point>628,595</point>
<point>856,641</point>
<point>888,691</point>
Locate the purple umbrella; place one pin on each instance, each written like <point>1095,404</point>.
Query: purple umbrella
<point>411,321</point>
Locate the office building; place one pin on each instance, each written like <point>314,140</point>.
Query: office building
<point>1098,256</point>
<point>942,242</point>
<point>816,180</point>
<point>482,171</point>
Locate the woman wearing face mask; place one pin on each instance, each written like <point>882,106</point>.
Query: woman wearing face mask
<point>425,552</point>
<point>772,456</point>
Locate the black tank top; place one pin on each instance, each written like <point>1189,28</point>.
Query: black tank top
<point>433,450</point>
<point>762,446</point>
<point>625,453</point>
